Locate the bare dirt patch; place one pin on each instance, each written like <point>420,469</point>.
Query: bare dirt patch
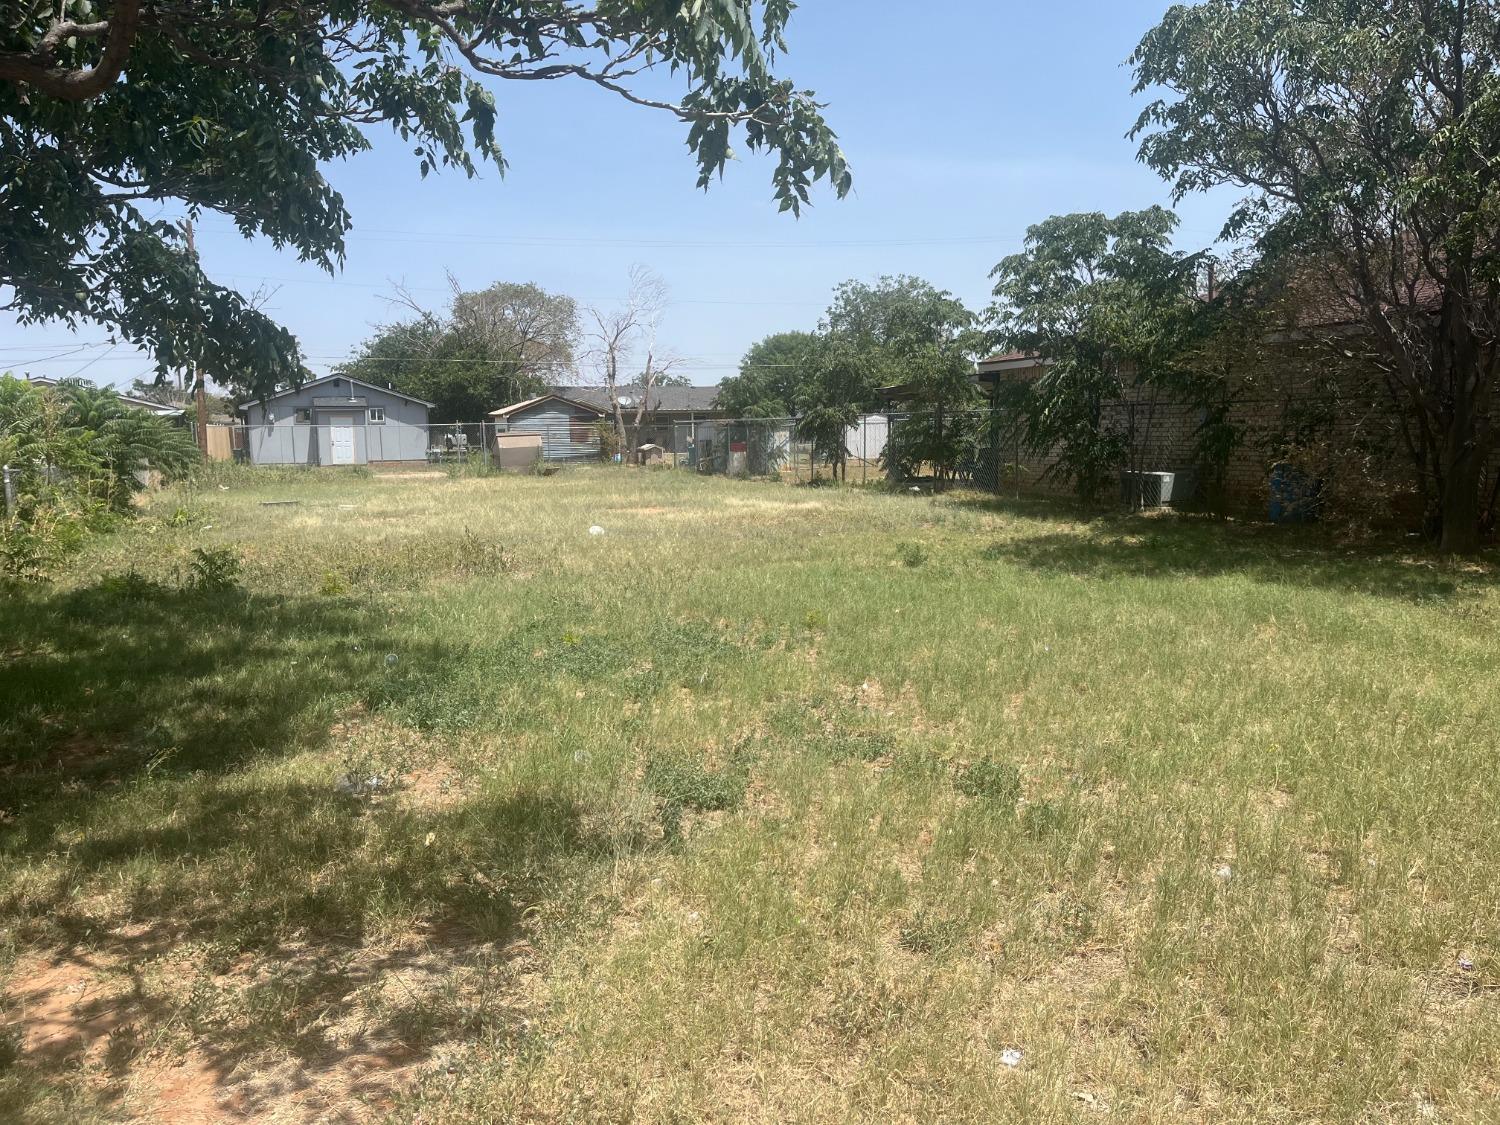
<point>184,1092</point>
<point>132,1021</point>
<point>66,1007</point>
<point>80,751</point>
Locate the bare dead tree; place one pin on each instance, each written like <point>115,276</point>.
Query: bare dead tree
<point>622,332</point>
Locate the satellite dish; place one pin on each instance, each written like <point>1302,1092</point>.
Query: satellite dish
<point>626,400</point>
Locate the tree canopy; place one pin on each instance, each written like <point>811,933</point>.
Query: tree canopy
<point>1109,306</point>
<point>772,376</point>
<point>905,331</point>
<point>110,107</point>
<point>1367,137</point>
<point>491,347</point>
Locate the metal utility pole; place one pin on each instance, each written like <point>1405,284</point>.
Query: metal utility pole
<point>196,375</point>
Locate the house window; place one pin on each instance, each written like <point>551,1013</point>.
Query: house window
<point>302,416</point>
<point>377,415</point>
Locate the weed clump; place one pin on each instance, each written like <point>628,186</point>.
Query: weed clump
<point>911,554</point>
<point>214,570</point>
<point>997,783</point>
<point>479,557</point>
<point>864,746</point>
<point>133,587</point>
<point>680,785</point>
<point>931,934</point>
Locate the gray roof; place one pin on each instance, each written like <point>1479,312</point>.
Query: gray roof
<point>329,378</point>
<point>684,400</point>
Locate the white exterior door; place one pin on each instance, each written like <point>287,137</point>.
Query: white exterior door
<point>341,439</point>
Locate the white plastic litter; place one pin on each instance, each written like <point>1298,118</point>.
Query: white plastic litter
<point>1224,873</point>
<point>351,786</point>
<point>1012,1056</point>
<point>1466,965</point>
<point>596,530</point>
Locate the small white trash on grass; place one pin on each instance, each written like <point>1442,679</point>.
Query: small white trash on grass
<point>1012,1056</point>
<point>596,530</point>
<point>351,786</point>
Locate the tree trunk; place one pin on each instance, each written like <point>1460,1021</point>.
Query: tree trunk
<point>1462,468</point>
<point>1461,458</point>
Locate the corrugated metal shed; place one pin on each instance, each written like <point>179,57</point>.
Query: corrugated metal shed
<point>566,428</point>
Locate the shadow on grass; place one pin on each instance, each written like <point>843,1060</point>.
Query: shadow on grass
<point>1050,509</point>
<point>265,906</point>
<point>127,714</point>
<point>125,677</point>
<point>143,817</point>
<point>1121,545</point>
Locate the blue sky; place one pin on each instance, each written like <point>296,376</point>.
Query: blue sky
<point>963,129</point>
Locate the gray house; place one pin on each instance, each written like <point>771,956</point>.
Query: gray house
<point>337,420</point>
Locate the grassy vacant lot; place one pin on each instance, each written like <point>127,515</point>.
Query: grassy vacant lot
<point>769,803</point>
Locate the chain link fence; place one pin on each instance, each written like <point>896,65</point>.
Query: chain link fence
<point>975,449</point>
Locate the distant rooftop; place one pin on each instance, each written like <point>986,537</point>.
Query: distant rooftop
<point>161,409</point>
<point>1013,359</point>
<point>674,399</point>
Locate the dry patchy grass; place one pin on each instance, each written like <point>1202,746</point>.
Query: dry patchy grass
<point>766,804</point>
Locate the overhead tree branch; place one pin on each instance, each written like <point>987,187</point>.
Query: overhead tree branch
<point>77,85</point>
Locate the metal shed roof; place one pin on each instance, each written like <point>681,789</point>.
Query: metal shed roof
<point>526,404</point>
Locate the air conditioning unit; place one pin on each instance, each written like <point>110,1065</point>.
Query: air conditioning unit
<point>1142,490</point>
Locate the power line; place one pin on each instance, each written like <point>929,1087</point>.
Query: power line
<point>60,355</point>
<point>379,234</point>
<point>91,362</point>
<point>393,234</point>
<point>56,344</point>
<point>445,289</point>
<point>689,365</point>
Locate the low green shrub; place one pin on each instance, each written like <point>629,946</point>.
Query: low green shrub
<point>37,539</point>
<point>214,570</point>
